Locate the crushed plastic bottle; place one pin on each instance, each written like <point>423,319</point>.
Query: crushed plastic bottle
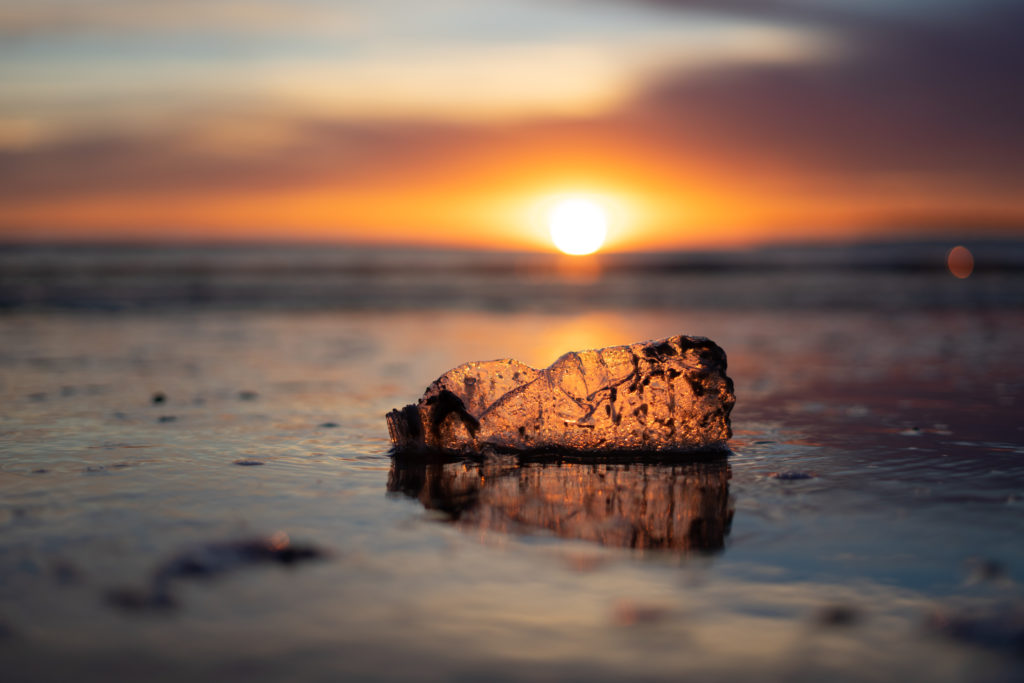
<point>669,395</point>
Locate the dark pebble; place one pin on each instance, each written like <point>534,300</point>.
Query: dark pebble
<point>167,418</point>
<point>95,468</point>
<point>997,629</point>
<point>247,395</point>
<point>135,600</point>
<point>248,463</point>
<point>790,476</point>
<point>38,396</point>
<point>217,558</point>
<point>980,570</point>
<point>629,613</point>
<point>66,573</point>
<point>159,397</point>
<point>41,470</point>
<point>837,615</point>
<point>329,425</point>
<point>206,561</point>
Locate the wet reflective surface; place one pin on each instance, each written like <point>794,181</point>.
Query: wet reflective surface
<point>867,526</point>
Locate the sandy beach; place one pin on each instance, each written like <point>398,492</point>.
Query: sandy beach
<point>865,527</point>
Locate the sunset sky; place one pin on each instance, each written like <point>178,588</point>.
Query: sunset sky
<point>694,123</point>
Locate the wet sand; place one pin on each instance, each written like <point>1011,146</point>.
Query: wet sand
<point>866,527</point>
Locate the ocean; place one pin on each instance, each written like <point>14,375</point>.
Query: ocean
<point>197,480</point>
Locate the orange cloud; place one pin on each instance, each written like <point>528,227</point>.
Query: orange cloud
<point>921,132</point>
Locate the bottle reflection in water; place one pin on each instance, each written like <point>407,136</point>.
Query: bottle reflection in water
<point>657,505</point>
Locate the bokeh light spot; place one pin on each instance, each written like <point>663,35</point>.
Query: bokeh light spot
<point>960,262</point>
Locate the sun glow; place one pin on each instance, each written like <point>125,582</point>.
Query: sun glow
<point>578,226</point>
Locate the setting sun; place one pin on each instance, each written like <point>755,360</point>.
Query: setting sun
<point>578,226</point>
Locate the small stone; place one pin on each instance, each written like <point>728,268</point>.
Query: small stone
<point>837,615</point>
<point>631,613</point>
<point>159,397</point>
<point>209,561</point>
<point>982,570</point>
<point>249,463</point>
<point>999,627</point>
<point>138,600</point>
<point>66,573</point>
<point>7,632</point>
<point>669,395</point>
<point>791,476</point>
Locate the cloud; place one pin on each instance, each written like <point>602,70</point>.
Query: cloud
<point>136,79</point>
<point>921,96</point>
<point>831,12</point>
<point>48,17</point>
<point>917,115</point>
<point>238,156</point>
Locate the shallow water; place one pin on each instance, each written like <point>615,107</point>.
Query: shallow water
<point>867,526</point>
